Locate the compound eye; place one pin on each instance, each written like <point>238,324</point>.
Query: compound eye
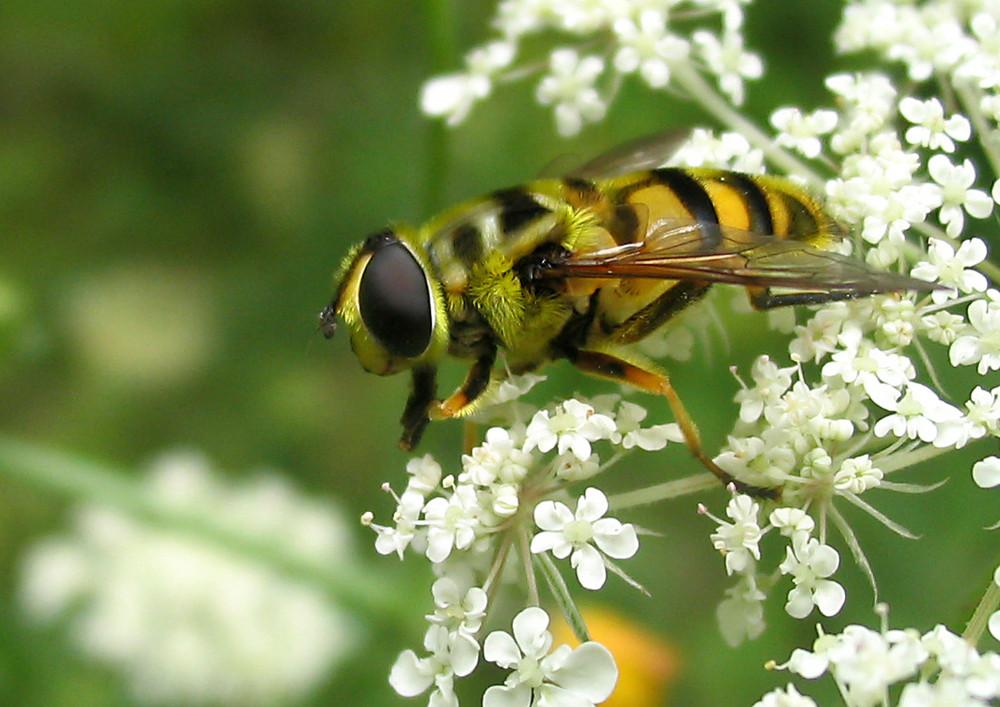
<point>395,301</point>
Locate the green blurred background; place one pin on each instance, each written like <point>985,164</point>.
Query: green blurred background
<point>178,180</point>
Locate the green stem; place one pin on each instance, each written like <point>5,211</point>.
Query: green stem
<point>981,616</point>
<point>989,140</point>
<point>988,137</point>
<point>901,460</point>
<point>89,482</point>
<point>562,595</point>
<point>439,22</point>
<point>719,107</point>
<point>663,492</point>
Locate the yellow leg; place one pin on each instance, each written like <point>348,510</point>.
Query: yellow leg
<point>475,383</point>
<point>470,436</point>
<point>608,366</point>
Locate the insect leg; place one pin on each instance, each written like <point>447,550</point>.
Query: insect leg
<point>608,366</point>
<point>415,418</point>
<point>459,402</point>
<point>762,298</point>
<point>656,313</point>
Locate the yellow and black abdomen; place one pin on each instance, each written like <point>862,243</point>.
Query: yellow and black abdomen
<point>756,203</point>
<point>700,211</point>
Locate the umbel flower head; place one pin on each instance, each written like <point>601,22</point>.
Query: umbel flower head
<point>909,167</point>
<point>182,620</point>
<point>510,512</point>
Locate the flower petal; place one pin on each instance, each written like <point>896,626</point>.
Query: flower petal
<point>500,648</point>
<point>589,671</point>
<point>589,566</point>
<point>550,540</point>
<point>552,515</point>
<point>592,505</point>
<point>409,676</point>
<point>829,597</point>
<point>530,631</point>
<point>616,539</point>
<point>503,696</point>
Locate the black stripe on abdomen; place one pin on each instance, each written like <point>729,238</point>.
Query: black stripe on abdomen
<point>695,199</point>
<point>755,201</point>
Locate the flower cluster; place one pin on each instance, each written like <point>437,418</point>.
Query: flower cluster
<point>188,622</point>
<point>849,409</point>
<point>659,41</point>
<point>912,171</point>
<point>511,500</point>
<point>937,668</point>
<point>808,561</point>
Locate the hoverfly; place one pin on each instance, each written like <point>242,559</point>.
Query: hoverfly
<point>578,268</point>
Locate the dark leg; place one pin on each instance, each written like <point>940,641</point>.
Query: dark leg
<point>656,313</point>
<point>761,297</point>
<point>415,418</point>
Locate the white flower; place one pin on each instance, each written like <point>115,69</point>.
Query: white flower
<point>506,499</point>
<point>790,521</point>
<point>994,623</point>
<point>727,149</point>
<point>738,540</point>
<point>868,661</point>
<point>879,372</point>
<point>925,42</point>
<point>801,131</point>
<point>857,475</point>
<point>188,621</point>
<point>451,654</point>
<point>921,414</point>
<point>571,427</point>
<point>983,346</point>
<point>452,523</point>
<point>958,196</point>
<point>756,461</point>
<point>823,412</point>
<point>942,327</point>
<point>456,610</point>
<point>983,412</point>
<point>453,95</point>
<point>930,128</point>
<point>986,472</point>
<point>581,676</point>
<point>629,433</point>
<point>946,267</point>
<point>770,383</point>
<point>810,563</point>
<point>864,662</point>
<point>570,86</point>
<point>785,697</point>
<point>727,60</point>
<point>425,475</point>
<point>496,459</point>
<point>564,532</point>
<point>741,614</point>
<point>869,100</point>
<point>943,691</point>
<point>569,467</point>
<point>647,47</point>
<point>398,537</point>
<point>819,336</point>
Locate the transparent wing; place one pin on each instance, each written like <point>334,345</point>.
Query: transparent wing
<point>643,153</point>
<point>678,249</point>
